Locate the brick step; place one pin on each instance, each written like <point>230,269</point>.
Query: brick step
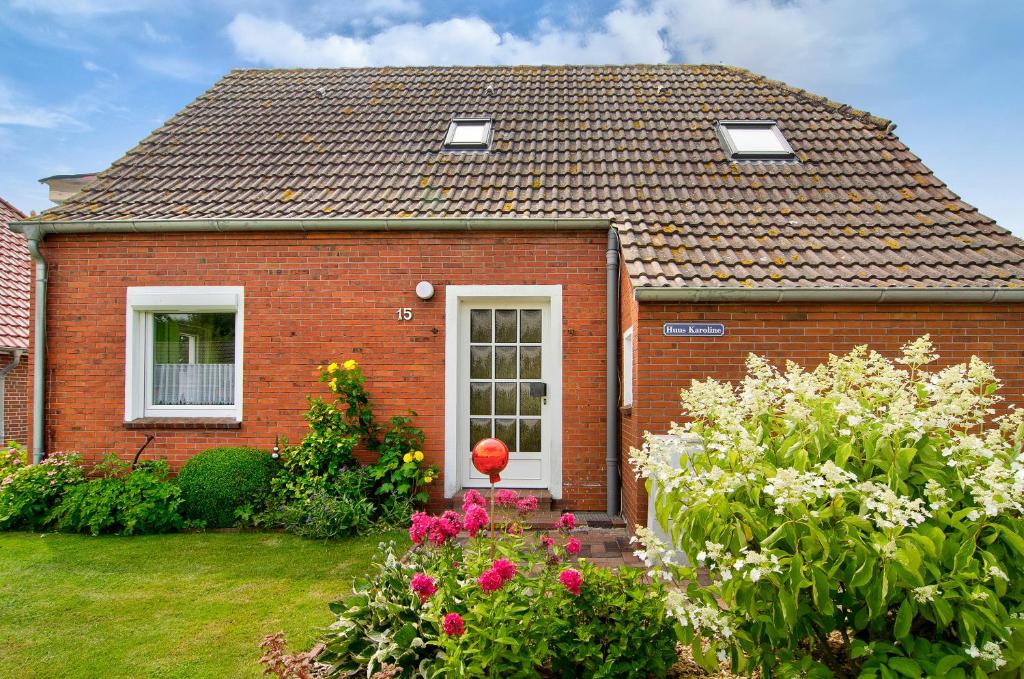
<point>543,497</point>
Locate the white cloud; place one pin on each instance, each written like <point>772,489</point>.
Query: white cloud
<point>807,41</point>
<point>154,35</point>
<point>14,110</point>
<point>82,7</point>
<point>178,68</point>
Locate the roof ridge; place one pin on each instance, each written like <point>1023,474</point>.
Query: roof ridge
<point>509,67</point>
<point>883,124</point>
<point>15,210</point>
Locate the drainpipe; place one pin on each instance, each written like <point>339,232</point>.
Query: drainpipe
<point>34,236</point>
<point>15,360</point>
<point>612,354</point>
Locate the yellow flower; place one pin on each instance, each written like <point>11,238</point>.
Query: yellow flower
<point>319,367</point>
<point>408,457</point>
<point>418,455</point>
<point>350,365</point>
<point>333,367</point>
<point>333,384</point>
<point>428,479</point>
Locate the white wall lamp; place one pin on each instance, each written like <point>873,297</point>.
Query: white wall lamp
<point>424,290</point>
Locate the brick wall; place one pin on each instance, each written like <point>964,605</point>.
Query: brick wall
<point>311,298</point>
<point>805,333</point>
<point>15,394</point>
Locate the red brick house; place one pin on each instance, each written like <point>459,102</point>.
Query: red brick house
<point>485,241</point>
<point>15,274</point>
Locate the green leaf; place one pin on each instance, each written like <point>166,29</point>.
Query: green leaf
<point>906,667</point>
<point>822,592</point>
<point>947,663</point>
<point>404,636</point>
<point>903,620</point>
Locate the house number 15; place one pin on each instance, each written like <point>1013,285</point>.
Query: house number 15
<point>404,313</point>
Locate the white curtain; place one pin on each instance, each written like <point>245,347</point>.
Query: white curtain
<point>193,384</point>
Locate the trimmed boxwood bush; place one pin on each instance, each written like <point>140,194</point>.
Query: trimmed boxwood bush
<point>218,481</point>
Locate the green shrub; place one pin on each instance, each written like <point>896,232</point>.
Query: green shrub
<point>29,493</point>
<point>219,482</point>
<point>864,500</point>
<point>323,515</point>
<point>122,500</point>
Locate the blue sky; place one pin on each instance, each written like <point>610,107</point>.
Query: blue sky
<point>82,81</point>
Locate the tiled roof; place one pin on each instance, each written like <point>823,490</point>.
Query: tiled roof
<point>635,144</point>
<point>15,277</point>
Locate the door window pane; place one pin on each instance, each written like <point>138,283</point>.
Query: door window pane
<point>479,398</point>
<point>480,325</point>
<point>194,359</point>
<point>505,363</point>
<point>529,329</point>
<point>529,436</point>
<point>480,363</point>
<point>479,428</point>
<point>505,325</point>
<point>504,398</point>
<point>529,363</point>
<point>528,405</point>
<point>505,431</point>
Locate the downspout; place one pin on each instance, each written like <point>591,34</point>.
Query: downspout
<point>15,360</point>
<point>612,354</point>
<point>34,236</point>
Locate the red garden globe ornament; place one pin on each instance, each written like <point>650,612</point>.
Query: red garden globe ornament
<point>490,456</point>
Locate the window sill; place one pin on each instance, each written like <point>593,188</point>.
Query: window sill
<point>207,423</point>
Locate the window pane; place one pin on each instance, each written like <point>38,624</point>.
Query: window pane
<point>505,325</point>
<point>480,398</point>
<point>529,329</point>
<point>754,139</point>
<point>194,359</point>
<point>505,363</point>
<point>480,363</point>
<point>505,431</point>
<point>479,428</point>
<point>529,436</point>
<point>480,325</point>
<point>529,363</point>
<point>504,398</point>
<point>528,405</point>
<point>469,133</point>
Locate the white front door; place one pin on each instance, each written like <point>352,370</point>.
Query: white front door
<point>506,370</point>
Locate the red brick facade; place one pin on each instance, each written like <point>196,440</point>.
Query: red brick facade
<point>15,395</point>
<point>805,333</point>
<point>311,298</point>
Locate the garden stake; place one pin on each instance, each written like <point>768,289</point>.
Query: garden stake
<point>149,439</point>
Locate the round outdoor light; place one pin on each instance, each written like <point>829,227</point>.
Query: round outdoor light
<point>424,290</point>
<point>490,456</point>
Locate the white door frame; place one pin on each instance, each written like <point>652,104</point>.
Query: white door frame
<point>455,295</point>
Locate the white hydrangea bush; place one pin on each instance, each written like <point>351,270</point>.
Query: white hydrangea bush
<point>873,501</point>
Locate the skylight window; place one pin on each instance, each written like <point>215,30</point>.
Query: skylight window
<point>754,140</point>
<point>469,134</point>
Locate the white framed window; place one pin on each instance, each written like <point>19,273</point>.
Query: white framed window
<point>627,367</point>
<point>184,352</point>
<point>469,134</point>
<point>754,140</point>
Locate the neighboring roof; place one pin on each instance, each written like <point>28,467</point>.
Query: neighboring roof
<point>15,279</point>
<point>634,144</point>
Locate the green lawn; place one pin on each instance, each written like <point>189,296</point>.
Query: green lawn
<point>184,605</point>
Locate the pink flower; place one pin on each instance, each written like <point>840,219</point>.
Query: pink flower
<point>476,518</point>
<point>472,498</point>
<point>505,568</point>
<point>445,527</point>
<point>527,504</point>
<point>547,542</point>
<point>571,579</point>
<point>566,521</point>
<point>420,527</point>
<point>514,529</point>
<point>453,625</point>
<point>423,585</point>
<point>573,546</point>
<point>490,580</point>
<point>506,497</point>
